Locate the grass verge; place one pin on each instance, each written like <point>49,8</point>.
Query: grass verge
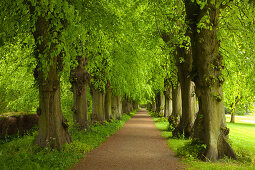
<point>20,153</point>
<point>242,137</point>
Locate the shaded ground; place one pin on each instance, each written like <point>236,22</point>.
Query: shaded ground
<point>138,145</point>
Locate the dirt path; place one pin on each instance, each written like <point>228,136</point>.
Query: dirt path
<point>137,146</point>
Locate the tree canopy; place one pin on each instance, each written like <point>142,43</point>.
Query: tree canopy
<point>138,49</point>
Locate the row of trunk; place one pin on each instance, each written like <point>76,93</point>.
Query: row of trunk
<point>179,104</point>
<point>202,65</point>
<point>53,127</point>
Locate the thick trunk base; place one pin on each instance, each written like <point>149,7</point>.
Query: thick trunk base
<point>127,106</point>
<point>116,107</point>
<point>188,110</point>
<point>80,108</point>
<point>53,128</point>
<point>210,126</point>
<point>98,105</point>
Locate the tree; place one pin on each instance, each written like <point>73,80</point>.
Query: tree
<point>210,125</point>
<point>53,128</point>
<point>79,79</point>
<point>172,29</point>
<point>53,27</point>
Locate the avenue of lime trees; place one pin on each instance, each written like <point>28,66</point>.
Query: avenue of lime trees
<point>186,58</point>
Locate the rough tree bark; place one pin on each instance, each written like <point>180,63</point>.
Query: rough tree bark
<point>116,107</point>
<point>194,102</point>
<point>98,105</point>
<point>184,75</point>
<point>210,125</point>
<point>168,102</point>
<point>176,101</point>
<point>162,104</point>
<point>124,106</point>
<point>108,102</point>
<point>157,101</point>
<point>120,112</point>
<point>174,119</point>
<point>79,81</point>
<point>53,127</point>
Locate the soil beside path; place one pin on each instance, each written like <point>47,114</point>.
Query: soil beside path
<point>137,146</point>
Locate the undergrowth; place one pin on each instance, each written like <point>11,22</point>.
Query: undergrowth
<point>155,114</point>
<point>20,153</point>
<point>189,150</point>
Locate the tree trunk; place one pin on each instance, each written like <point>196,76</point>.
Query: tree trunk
<point>157,100</point>
<point>184,74</point>
<point>127,106</point>
<point>130,106</point>
<point>154,106</point>
<point>162,104</point>
<point>119,100</point>
<point>149,106</point>
<point>176,101</point>
<point>116,107</point>
<point>79,79</point>
<point>194,102</point>
<point>168,107</point>
<point>174,118</point>
<point>135,106</point>
<point>168,102</point>
<point>124,106</point>
<point>210,125</point>
<point>108,104</point>
<point>98,105</point>
<point>233,108</point>
<point>53,127</point>
<point>232,115</point>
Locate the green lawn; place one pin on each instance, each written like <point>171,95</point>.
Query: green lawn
<point>242,137</point>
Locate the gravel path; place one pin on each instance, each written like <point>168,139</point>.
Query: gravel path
<point>137,146</point>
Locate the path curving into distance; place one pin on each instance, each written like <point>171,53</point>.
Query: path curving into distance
<point>137,146</point>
